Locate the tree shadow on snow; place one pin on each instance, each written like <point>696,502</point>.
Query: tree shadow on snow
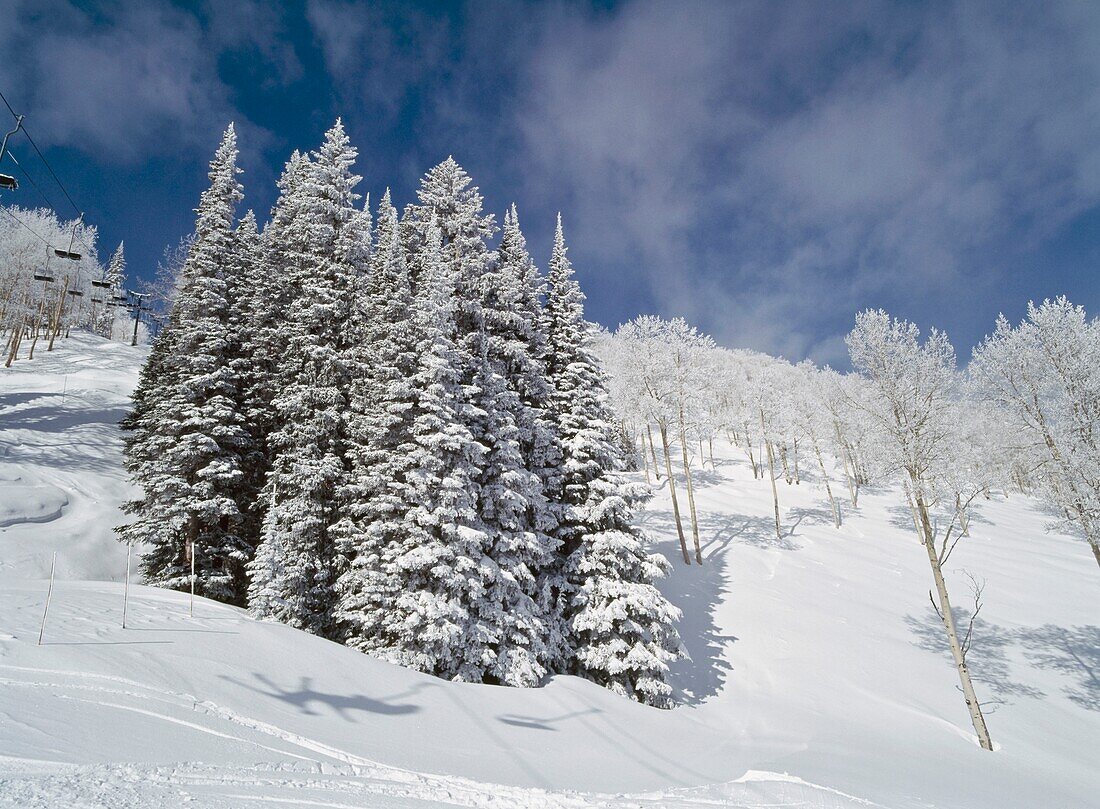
<point>305,697</point>
<point>697,591</point>
<point>794,517</point>
<point>716,532</point>
<point>1073,651</point>
<point>988,655</point>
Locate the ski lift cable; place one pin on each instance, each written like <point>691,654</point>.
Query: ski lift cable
<point>42,194</point>
<point>30,179</point>
<point>49,168</point>
<point>24,225</point>
<point>53,174</point>
<point>6,104</point>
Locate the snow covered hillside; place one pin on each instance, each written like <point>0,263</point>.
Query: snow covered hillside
<point>818,675</point>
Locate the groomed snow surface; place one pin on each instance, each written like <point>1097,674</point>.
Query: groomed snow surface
<point>819,677</point>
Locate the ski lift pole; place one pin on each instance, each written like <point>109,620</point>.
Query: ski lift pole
<point>137,312</point>
<point>7,181</point>
<point>4,144</point>
<point>69,254</point>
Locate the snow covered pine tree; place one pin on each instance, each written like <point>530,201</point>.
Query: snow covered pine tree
<point>187,438</point>
<point>321,252</point>
<point>620,629</point>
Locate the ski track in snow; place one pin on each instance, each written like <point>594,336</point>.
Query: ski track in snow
<point>351,775</point>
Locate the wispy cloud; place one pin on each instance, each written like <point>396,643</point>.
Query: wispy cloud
<point>131,81</point>
<point>762,167</point>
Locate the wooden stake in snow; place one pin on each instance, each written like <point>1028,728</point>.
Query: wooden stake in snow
<point>192,579</point>
<point>49,593</point>
<point>126,586</point>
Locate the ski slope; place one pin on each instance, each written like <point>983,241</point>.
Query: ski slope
<point>818,676</point>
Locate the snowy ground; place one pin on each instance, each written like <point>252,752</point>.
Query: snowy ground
<point>818,677</point>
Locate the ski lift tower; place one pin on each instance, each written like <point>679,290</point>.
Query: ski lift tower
<point>7,182</point>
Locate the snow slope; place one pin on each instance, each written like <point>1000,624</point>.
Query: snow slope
<point>818,676</point>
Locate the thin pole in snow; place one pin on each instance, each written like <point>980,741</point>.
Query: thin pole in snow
<point>49,593</point>
<point>126,587</point>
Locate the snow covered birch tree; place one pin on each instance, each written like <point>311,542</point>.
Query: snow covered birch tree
<point>914,405</point>
<point>1045,374</point>
<point>642,340</point>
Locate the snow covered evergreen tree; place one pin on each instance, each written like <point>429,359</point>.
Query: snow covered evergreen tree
<point>413,595</point>
<point>511,629</point>
<point>320,250</point>
<point>115,275</point>
<point>379,429</point>
<point>247,288</point>
<point>620,630</point>
<point>190,437</point>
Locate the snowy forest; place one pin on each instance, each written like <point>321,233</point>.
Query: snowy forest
<point>393,430</point>
<point>51,281</point>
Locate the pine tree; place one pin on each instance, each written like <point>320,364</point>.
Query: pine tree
<point>620,629</point>
<point>383,397</point>
<point>115,275</point>
<point>320,250</point>
<point>248,288</point>
<point>412,595</point>
<point>510,630</point>
<point>189,436</point>
<point>512,301</point>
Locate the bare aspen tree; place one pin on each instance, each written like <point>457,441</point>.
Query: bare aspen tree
<point>687,354</point>
<point>809,419</point>
<point>653,451</point>
<point>913,402</point>
<point>763,380</point>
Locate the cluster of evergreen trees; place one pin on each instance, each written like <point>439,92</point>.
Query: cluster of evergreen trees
<point>394,436</point>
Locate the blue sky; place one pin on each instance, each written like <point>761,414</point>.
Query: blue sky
<point>764,169</point>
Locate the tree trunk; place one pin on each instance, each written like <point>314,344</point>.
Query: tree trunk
<point>783,461</point>
<point>964,516</point>
<point>853,491</point>
<point>828,489</point>
<point>771,476</point>
<point>58,314</point>
<point>672,492</point>
<point>794,459</point>
<point>710,450</point>
<point>948,618</point>
<point>14,344</point>
<point>912,511</point>
<point>690,491</point>
<point>653,452</point>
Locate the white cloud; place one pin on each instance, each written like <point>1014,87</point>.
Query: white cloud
<point>765,167</point>
<point>134,81</point>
